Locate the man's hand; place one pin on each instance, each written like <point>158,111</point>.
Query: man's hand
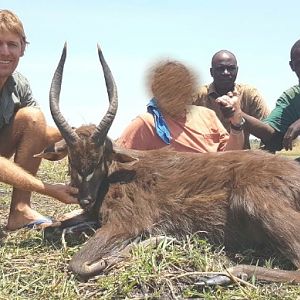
<point>230,107</point>
<point>64,193</point>
<point>292,132</point>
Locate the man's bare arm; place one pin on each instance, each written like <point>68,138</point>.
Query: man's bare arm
<point>14,175</point>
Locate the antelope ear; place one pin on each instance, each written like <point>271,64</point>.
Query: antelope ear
<point>54,152</point>
<point>123,155</point>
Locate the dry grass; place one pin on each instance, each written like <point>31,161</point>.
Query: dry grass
<point>292,153</point>
<point>33,268</point>
<point>255,143</point>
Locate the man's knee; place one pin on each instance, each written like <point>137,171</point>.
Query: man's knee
<point>29,125</point>
<point>30,116</point>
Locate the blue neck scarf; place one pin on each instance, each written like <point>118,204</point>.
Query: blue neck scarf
<point>161,126</point>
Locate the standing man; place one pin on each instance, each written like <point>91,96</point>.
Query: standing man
<point>23,129</point>
<point>224,70</point>
<point>282,126</point>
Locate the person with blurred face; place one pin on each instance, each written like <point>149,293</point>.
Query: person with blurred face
<point>23,129</point>
<point>224,70</point>
<point>282,126</point>
<point>171,121</point>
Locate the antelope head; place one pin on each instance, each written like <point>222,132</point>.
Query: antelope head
<point>88,148</point>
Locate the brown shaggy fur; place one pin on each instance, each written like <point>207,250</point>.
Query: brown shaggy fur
<point>238,198</point>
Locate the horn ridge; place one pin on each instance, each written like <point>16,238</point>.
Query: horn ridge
<point>65,129</point>
<point>106,122</point>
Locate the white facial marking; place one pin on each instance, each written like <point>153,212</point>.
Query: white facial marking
<point>89,177</point>
<point>79,177</point>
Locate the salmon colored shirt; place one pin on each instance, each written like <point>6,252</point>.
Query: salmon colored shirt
<point>200,131</point>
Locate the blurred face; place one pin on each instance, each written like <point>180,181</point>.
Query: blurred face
<point>295,62</point>
<point>224,71</point>
<point>11,49</point>
<point>173,85</point>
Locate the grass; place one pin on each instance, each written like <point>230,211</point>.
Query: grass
<point>255,143</point>
<point>32,267</point>
<point>294,153</point>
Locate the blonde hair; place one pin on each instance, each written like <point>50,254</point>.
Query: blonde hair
<point>9,22</point>
<point>172,85</point>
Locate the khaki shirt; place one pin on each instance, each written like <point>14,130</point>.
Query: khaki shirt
<point>251,103</point>
<point>16,93</point>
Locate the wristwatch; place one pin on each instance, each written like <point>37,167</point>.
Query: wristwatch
<point>238,127</point>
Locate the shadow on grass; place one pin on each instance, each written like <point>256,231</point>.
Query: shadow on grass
<point>61,238</point>
<point>263,257</point>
